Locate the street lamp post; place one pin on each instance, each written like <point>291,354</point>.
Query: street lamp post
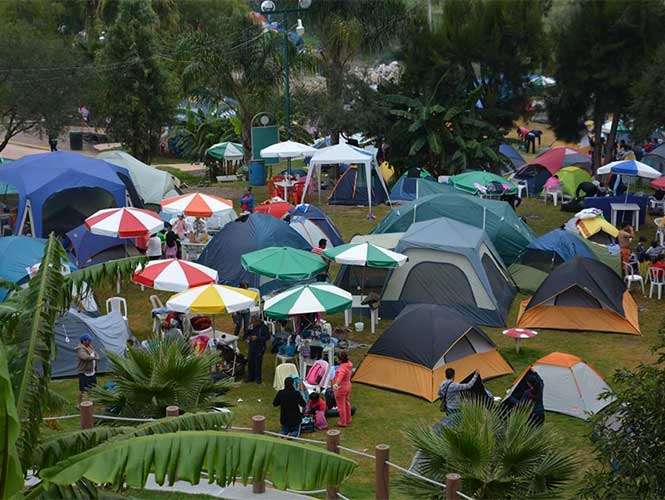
<point>268,7</point>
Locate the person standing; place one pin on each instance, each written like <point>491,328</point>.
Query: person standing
<point>342,389</point>
<point>53,142</point>
<point>624,237</point>
<point>87,365</point>
<point>154,249</point>
<point>247,201</point>
<point>241,318</point>
<point>323,244</point>
<point>534,395</point>
<point>290,402</point>
<point>257,337</point>
<point>181,227</point>
<point>450,391</point>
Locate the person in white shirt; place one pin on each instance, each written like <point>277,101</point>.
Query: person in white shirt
<point>154,250</point>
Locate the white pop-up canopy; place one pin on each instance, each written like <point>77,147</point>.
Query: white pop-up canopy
<point>347,155</point>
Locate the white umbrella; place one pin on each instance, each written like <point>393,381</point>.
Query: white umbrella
<point>307,299</point>
<point>287,149</point>
<point>630,168</point>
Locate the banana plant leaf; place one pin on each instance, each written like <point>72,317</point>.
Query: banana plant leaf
<point>11,474</point>
<point>225,456</point>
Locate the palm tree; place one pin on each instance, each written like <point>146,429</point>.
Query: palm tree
<point>200,131</point>
<point>498,456</point>
<point>72,464</point>
<point>167,372</point>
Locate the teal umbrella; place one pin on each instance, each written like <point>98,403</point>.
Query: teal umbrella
<point>477,182</point>
<point>225,151</point>
<point>284,263</point>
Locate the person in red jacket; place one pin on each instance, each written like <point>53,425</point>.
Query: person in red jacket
<point>342,389</point>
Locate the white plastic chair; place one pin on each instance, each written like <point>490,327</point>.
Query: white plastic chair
<point>630,277</point>
<point>656,280</point>
<point>282,372</point>
<point>522,186</point>
<point>117,304</point>
<point>660,230</point>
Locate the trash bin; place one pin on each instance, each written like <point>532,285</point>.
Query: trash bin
<point>76,141</point>
<point>257,173</point>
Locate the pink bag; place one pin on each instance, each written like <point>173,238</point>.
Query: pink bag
<point>320,421</point>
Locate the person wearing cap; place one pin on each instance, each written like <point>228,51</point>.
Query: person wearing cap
<point>87,365</point>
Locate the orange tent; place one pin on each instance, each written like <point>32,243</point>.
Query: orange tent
<point>582,294</point>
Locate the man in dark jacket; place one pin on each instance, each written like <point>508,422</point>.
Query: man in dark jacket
<point>290,403</point>
<point>257,337</point>
<point>534,395</point>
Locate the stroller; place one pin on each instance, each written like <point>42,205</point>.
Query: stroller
<point>232,363</point>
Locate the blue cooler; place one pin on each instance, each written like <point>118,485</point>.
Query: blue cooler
<point>257,173</point>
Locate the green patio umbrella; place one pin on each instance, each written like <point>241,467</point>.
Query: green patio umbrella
<point>365,254</point>
<point>284,263</point>
<point>225,151</point>
<point>307,299</point>
<point>480,181</point>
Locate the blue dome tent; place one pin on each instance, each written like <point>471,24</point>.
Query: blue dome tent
<point>57,191</point>
<point>305,212</point>
<point>511,153</point>
<point>247,234</point>
<point>17,254</point>
<point>407,187</point>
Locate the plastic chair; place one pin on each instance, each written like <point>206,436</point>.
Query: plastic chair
<point>522,186</point>
<point>631,277</point>
<point>656,280</point>
<point>282,372</point>
<point>118,304</point>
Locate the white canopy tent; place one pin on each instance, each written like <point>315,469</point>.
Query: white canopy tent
<point>348,155</point>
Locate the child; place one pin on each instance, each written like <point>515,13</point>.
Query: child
<point>316,408</point>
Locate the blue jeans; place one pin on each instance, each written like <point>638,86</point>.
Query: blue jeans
<point>291,430</point>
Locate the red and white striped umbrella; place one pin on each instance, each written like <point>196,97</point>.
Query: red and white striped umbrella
<point>124,222</point>
<point>174,275</point>
<point>196,205</point>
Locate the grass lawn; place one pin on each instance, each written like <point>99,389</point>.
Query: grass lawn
<point>383,416</point>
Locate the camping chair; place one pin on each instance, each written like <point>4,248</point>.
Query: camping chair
<point>157,317</point>
<point>118,304</point>
<point>282,372</point>
<point>657,280</point>
<point>631,276</point>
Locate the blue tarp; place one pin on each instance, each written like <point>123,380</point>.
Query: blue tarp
<point>17,253</point>
<point>603,203</point>
<point>37,177</point>
<point>566,244</point>
<point>247,234</point>
<point>318,217</point>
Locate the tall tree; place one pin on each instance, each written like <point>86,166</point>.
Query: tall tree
<point>496,43</point>
<point>230,59</point>
<point>629,435</point>
<point>617,38</point>
<point>648,97</point>
<point>40,76</point>
<point>345,30</point>
<point>137,92</point>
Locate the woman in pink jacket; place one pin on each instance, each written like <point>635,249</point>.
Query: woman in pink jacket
<point>342,389</point>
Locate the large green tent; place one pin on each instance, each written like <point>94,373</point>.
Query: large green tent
<point>507,231</point>
<point>571,177</point>
<point>474,182</point>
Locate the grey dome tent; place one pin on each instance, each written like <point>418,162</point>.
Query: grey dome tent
<point>453,264</point>
<point>109,334</point>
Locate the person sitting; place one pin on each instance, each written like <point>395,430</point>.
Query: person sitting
<point>316,408</point>
<point>660,262</point>
<point>199,230</point>
<point>654,251</point>
<point>290,402</point>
